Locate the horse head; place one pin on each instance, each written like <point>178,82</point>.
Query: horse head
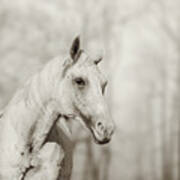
<point>82,93</point>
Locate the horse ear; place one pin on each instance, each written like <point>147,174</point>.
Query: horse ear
<point>75,48</point>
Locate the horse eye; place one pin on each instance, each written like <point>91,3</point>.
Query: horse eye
<point>80,82</point>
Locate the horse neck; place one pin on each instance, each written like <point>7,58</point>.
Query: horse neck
<point>35,98</point>
<point>33,108</point>
<point>39,90</point>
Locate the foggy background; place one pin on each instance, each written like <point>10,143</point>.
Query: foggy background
<point>141,43</point>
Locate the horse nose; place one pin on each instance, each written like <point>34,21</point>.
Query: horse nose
<point>105,130</point>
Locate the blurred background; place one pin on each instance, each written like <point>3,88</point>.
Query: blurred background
<point>140,40</point>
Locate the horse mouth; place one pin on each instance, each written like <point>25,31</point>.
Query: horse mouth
<point>97,138</point>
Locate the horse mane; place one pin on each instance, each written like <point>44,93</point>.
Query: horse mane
<point>44,76</point>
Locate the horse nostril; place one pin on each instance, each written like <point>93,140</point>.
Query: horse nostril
<point>99,124</point>
<point>106,131</point>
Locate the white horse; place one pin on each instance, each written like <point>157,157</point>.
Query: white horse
<point>69,89</point>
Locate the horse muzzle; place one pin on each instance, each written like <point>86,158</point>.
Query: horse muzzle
<point>102,133</point>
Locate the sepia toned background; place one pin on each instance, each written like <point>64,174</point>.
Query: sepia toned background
<point>140,40</point>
